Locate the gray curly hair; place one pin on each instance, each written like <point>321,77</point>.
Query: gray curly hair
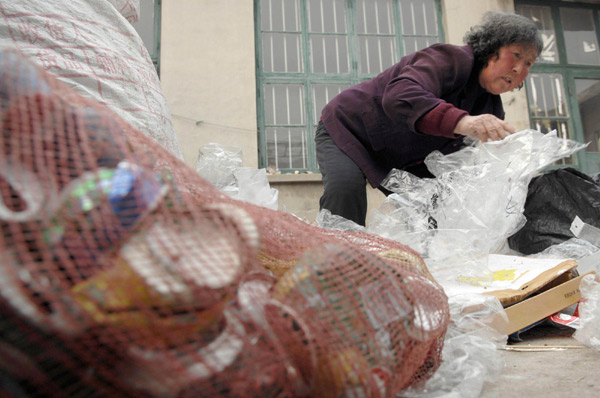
<point>499,29</point>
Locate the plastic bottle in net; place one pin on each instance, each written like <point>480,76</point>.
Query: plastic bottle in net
<point>124,273</point>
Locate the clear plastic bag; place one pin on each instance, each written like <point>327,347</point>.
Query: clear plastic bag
<point>588,331</point>
<point>217,163</point>
<point>473,205</point>
<point>326,219</point>
<point>470,356</point>
<point>222,167</point>
<point>253,187</point>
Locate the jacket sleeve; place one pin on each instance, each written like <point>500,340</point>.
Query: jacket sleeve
<point>415,96</point>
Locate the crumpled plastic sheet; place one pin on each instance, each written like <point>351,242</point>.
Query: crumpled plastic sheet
<point>588,331</point>
<point>574,248</point>
<point>253,187</point>
<point>472,206</point>
<point>222,166</point>
<point>470,356</point>
<point>217,163</point>
<point>326,219</point>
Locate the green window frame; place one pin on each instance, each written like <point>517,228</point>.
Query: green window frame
<point>307,51</point>
<point>564,83</point>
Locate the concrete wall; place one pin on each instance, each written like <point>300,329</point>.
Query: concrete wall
<point>208,74</point>
<point>208,77</point>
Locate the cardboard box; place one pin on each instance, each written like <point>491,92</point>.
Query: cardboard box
<point>535,282</point>
<point>543,304</point>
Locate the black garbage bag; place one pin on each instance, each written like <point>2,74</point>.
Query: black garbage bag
<point>553,200</point>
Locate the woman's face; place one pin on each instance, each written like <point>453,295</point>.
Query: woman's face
<point>508,69</point>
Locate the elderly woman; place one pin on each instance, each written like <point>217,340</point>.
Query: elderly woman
<point>428,101</point>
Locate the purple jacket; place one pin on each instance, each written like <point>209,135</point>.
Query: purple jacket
<point>409,110</point>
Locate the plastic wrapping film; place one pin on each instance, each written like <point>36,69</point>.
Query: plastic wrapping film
<point>123,272</point>
<point>472,206</point>
<point>589,312</point>
<point>470,356</point>
<point>222,166</point>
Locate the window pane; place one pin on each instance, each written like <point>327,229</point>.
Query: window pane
<point>542,16</point>
<point>376,53</point>
<point>284,104</point>
<point>329,54</point>
<point>374,16</point>
<point>286,147</point>
<point>328,48</point>
<point>326,16</point>
<point>284,112</point>
<point>280,15</point>
<point>588,97</point>
<point>546,95</point>
<point>580,36</point>
<point>376,35</point>
<point>322,94</point>
<point>419,17</point>
<point>282,52</point>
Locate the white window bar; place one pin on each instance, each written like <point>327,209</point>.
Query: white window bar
<point>287,104</point>
<point>289,145</point>
<point>274,105</point>
<point>368,54</point>
<point>324,45</point>
<point>301,102</point>
<point>558,85</point>
<point>285,53</point>
<point>275,142</point>
<point>304,150</point>
<point>270,14</point>
<point>554,93</point>
<point>283,15</point>
<point>412,17</point>
<point>377,27</point>
<point>324,54</point>
<point>390,12</point>
<point>563,131</point>
<point>533,95</point>
<point>336,41</point>
<point>298,56</point>
<point>425,18</point>
<point>544,103</point>
<point>338,66</point>
<point>322,17</point>
<point>335,25</point>
<point>380,55</point>
<point>272,53</point>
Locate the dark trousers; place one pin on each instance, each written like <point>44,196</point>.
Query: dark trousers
<point>344,182</point>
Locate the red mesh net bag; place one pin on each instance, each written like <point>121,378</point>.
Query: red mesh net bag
<point>124,273</point>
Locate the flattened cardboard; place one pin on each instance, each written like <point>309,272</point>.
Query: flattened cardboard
<point>544,304</point>
<point>556,275</point>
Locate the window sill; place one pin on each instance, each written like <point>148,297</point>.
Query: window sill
<point>292,178</point>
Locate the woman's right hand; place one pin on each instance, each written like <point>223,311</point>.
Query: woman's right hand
<point>484,127</point>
